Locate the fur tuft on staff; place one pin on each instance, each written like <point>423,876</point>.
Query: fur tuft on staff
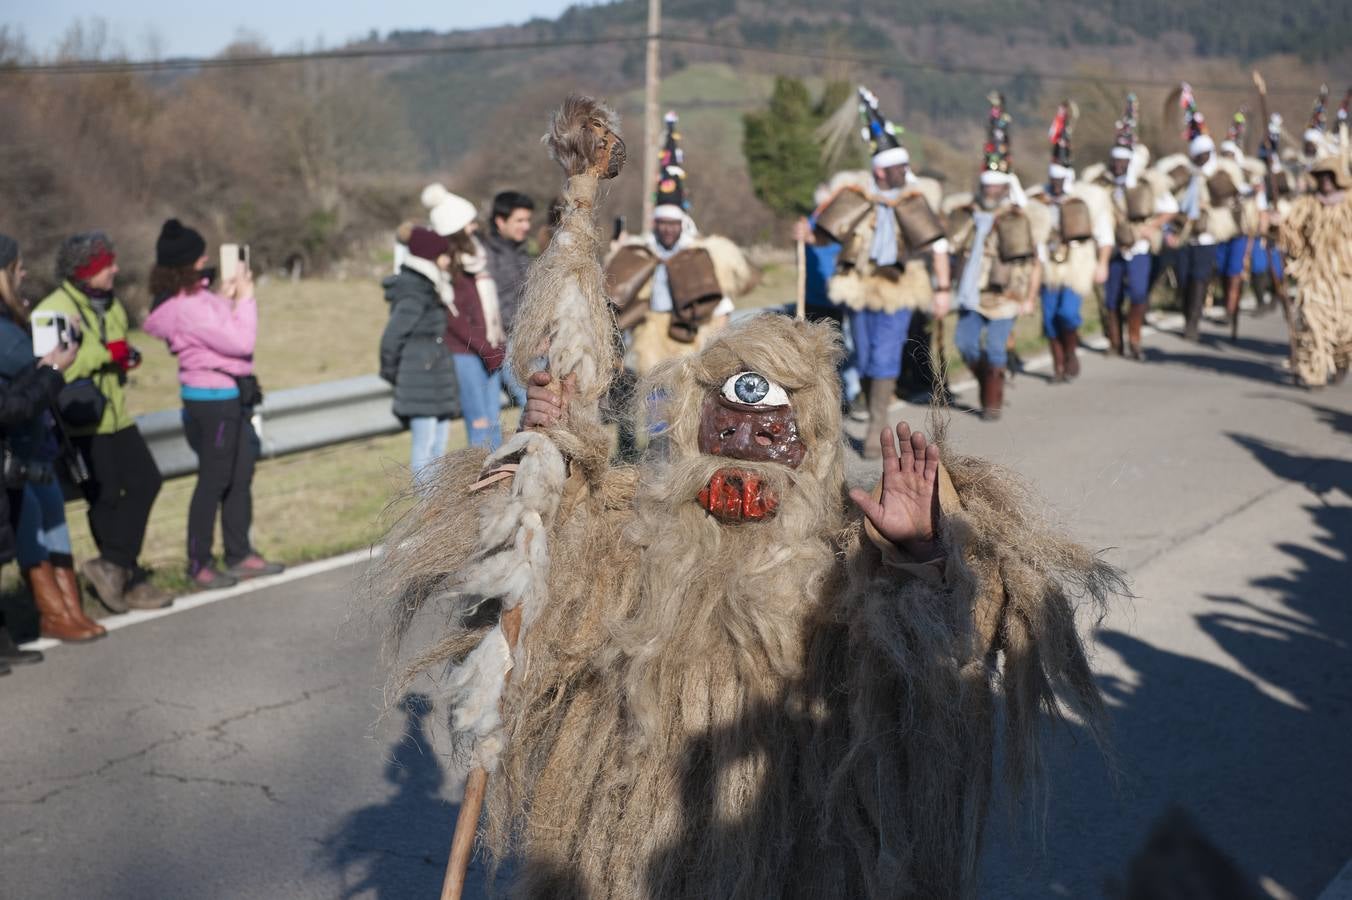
<point>584,137</point>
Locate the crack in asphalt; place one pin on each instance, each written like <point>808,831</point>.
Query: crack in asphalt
<point>214,732</point>
<point>267,790</point>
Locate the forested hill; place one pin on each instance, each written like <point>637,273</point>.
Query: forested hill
<point>1248,29</point>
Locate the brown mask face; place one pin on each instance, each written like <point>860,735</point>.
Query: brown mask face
<point>749,418</point>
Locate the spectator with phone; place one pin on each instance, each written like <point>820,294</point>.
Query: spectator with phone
<point>508,261</point>
<point>213,337</point>
<point>28,388</point>
<point>414,355</point>
<point>474,330</point>
<point>124,480</point>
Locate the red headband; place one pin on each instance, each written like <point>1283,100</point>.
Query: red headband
<point>102,259</point>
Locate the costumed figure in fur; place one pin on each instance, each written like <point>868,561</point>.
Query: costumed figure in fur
<point>1316,241</point>
<point>893,258</point>
<point>731,677</point>
<point>674,286</point>
<point>996,238</point>
<point>1142,204</point>
<point>1075,251</point>
<point>1206,189</point>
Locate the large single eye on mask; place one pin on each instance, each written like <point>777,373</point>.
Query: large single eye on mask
<point>754,389</point>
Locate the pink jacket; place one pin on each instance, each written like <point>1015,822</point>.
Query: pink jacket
<point>212,337</point>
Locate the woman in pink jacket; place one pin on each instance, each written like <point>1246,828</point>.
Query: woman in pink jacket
<point>213,337</point>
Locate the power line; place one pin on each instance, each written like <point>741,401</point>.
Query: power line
<point>189,64</point>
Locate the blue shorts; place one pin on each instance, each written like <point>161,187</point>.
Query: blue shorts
<point>1262,255</point>
<point>1230,256</point>
<point>977,336</point>
<point>1060,311</point>
<point>878,341</point>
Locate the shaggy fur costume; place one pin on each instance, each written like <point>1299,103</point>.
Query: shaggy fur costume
<point>784,709</point>
<point>858,283</point>
<point>1316,242</point>
<point>1074,265</point>
<point>1004,286</point>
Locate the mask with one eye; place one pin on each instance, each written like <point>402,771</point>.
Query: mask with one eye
<point>749,418</point>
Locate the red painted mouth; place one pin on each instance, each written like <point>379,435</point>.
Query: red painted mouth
<point>735,495</point>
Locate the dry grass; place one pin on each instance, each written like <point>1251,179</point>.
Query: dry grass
<point>308,332</point>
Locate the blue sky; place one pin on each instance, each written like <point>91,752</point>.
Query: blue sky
<point>201,29</point>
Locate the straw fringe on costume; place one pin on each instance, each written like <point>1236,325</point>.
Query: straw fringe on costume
<point>1316,244</point>
<point>857,282</point>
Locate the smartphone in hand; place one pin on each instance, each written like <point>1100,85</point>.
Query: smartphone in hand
<point>51,330</point>
<point>234,257</point>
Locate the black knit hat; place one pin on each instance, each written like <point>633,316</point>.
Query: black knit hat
<point>9,250</point>
<point>178,245</point>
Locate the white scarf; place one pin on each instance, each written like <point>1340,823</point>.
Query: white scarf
<point>476,264</point>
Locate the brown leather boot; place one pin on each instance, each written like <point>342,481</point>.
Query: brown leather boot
<point>993,394</point>
<point>1058,359</point>
<point>1069,342</point>
<point>880,392</point>
<point>53,619</point>
<point>64,568</point>
<point>1135,319</point>
<point>1112,327</point>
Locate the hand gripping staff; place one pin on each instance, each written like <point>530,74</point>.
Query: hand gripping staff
<point>566,319</point>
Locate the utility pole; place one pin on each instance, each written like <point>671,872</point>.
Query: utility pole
<point>652,120</point>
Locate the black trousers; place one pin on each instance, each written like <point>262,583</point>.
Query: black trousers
<point>124,482</point>
<point>220,433</point>
<point>1195,265</point>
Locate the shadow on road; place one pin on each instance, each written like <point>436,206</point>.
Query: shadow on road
<point>1257,749</point>
<point>397,849</point>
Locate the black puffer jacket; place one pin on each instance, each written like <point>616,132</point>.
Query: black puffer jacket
<point>413,352</point>
<point>22,399</point>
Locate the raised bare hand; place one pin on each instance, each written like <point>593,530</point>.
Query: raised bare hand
<point>907,513</point>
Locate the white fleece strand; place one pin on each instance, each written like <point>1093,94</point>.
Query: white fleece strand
<point>511,565</point>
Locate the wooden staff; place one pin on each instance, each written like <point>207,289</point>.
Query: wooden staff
<point>476,786</point>
<point>801,312</point>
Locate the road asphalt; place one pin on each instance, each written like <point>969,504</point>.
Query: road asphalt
<point>236,750</point>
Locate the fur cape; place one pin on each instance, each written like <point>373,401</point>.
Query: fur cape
<point>1222,221</point>
<point>1073,265</point>
<point>785,709</point>
<point>735,273</point>
<point>859,284</point>
<point>1003,286</point>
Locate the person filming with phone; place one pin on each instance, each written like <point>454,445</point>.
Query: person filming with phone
<point>124,480</point>
<point>213,337</point>
<point>32,514</point>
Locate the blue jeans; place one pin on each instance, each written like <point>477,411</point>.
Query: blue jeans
<point>968,338</point>
<point>429,442</point>
<point>1060,311</point>
<point>480,400</point>
<point>42,527</point>
<point>878,341</point>
<point>1131,276</point>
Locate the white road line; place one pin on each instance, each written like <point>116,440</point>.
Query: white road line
<point>193,601</point>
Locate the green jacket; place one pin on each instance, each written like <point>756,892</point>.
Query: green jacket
<point>93,360</point>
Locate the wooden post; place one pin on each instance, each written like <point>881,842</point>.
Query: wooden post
<point>476,786</point>
<point>652,120</point>
<point>801,311</point>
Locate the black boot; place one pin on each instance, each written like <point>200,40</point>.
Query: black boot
<point>11,655</point>
<point>1194,301</point>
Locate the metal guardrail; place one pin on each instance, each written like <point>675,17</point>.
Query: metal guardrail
<point>289,421</point>
<point>305,418</point>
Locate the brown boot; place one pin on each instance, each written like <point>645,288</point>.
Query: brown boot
<point>880,391</point>
<point>64,568</point>
<point>1135,319</point>
<point>993,394</point>
<point>1069,342</point>
<point>1112,327</point>
<point>1058,359</point>
<point>53,619</point>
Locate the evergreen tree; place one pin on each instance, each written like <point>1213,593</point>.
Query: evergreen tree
<point>782,154</point>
